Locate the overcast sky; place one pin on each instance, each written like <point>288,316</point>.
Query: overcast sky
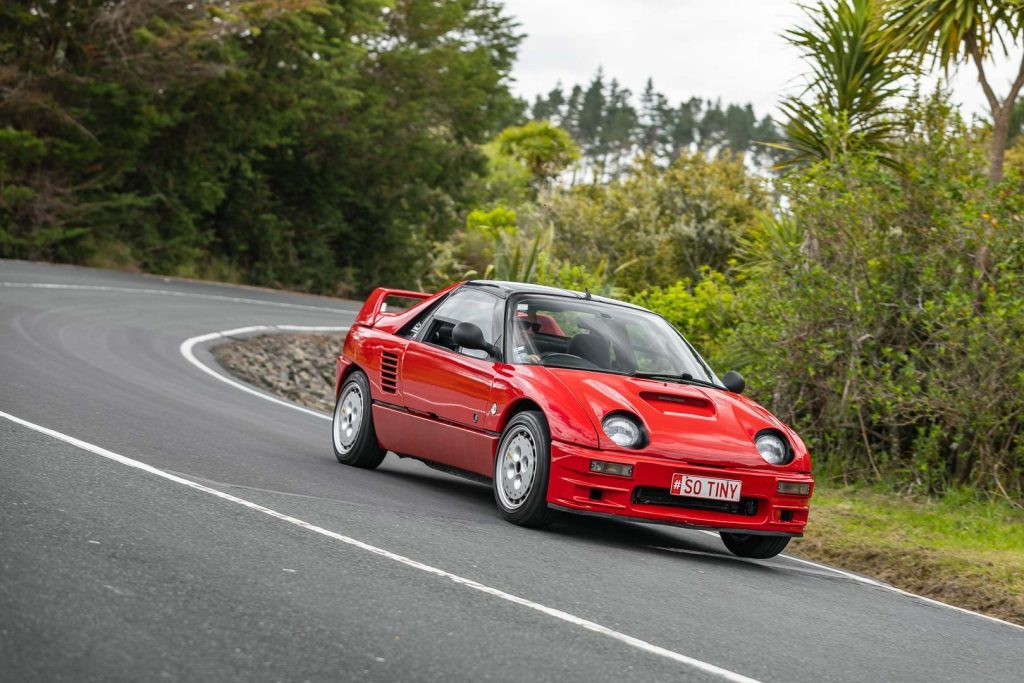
<point>730,49</point>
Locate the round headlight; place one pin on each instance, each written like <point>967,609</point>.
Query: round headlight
<point>772,448</point>
<point>623,430</point>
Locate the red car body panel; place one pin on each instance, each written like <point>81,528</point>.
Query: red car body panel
<point>447,408</point>
<point>572,487</point>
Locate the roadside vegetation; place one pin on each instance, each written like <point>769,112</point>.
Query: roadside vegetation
<point>955,548</point>
<point>870,291</point>
<point>318,145</point>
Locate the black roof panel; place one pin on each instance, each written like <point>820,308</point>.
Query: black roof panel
<point>506,288</point>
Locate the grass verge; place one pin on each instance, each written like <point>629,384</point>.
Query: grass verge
<point>957,549</point>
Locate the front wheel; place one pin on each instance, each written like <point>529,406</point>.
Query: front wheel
<point>521,468</point>
<point>355,439</point>
<point>756,547</point>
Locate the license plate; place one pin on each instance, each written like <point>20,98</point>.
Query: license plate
<point>705,487</point>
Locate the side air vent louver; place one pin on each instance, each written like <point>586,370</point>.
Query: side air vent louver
<point>389,372</point>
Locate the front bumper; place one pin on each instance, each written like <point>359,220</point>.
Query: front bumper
<point>644,496</point>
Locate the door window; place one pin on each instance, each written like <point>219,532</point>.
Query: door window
<point>466,305</point>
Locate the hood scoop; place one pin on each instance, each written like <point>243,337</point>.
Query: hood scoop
<point>678,404</point>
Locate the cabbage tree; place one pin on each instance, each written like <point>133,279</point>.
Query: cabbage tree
<point>847,103</point>
<point>955,32</point>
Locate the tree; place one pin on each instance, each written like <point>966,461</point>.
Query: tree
<point>314,144</point>
<point>846,105</point>
<point>683,124</point>
<point>545,150</point>
<point>953,32</point>
<point>612,130</point>
<point>618,131</point>
<point>872,344</point>
<point>1017,120</point>
<point>665,223</point>
<point>550,107</point>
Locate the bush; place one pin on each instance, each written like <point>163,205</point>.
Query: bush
<point>704,313</point>
<point>864,322</point>
<point>666,223</point>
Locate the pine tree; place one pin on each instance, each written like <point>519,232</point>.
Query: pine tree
<point>612,131</point>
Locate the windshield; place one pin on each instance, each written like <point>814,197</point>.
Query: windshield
<point>590,335</point>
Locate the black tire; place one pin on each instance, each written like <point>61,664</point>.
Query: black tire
<point>532,509</point>
<point>352,432</point>
<point>756,547</point>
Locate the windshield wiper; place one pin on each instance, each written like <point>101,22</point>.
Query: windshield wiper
<point>580,367</point>
<point>685,378</point>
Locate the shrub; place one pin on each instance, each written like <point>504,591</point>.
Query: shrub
<point>863,321</point>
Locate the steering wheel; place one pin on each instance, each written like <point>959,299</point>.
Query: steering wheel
<point>568,359</point>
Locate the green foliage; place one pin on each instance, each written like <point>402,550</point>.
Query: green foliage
<point>1017,119</point>
<point>612,127</point>
<point>313,144</point>
<point>854,76</point>
<point>704,312</point>
<point>948,31</point>
<point>516,262</point>
<point>953,31</point>
<point>506,181</point>
<point>665,223</point>
<point>859,321</point>
<point>521,162</point>
<point>966,545</point>
<point>545,150</point>
<point>512,260</point>
<point>647,229</point>
<point>493,223</point>
<point>562,273</point>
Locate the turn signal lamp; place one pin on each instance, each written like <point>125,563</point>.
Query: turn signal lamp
<point>794,488</point>
<point>616,468</point>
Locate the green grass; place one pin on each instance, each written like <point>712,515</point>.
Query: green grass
<point>959,549</point>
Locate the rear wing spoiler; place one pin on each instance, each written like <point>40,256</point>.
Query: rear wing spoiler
<point>376,305</point>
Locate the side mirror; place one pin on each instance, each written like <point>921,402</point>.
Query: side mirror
<point>734,382</point>
<point>469,336</point>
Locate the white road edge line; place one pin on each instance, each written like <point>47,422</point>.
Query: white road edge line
<point>166,292</point>
<point>592,626</point>
<point>186,351</point>
<point>189,344</point>
<point>885,586</point>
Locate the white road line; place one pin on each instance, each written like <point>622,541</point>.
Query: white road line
<point>885,586</point>
<point>189,344</point>
<point>931,601</point>
<point>592,626</point>
<point>168,292</point>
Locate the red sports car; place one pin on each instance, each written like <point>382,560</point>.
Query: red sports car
<point>567,401</point>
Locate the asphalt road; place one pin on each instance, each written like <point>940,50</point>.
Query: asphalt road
<point>109,572</point>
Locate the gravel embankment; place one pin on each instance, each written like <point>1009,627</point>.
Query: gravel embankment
<point>299,367</point>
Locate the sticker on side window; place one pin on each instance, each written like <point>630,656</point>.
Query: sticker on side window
<point>522,307</point>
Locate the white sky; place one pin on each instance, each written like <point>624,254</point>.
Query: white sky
<point>728,49</point>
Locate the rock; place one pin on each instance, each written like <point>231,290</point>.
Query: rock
<point>299,367</point>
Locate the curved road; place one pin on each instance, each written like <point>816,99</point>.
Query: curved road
<point>250,554</point>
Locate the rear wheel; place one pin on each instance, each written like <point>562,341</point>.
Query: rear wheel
<point>521,469</point>
<point>355,440</point>
<point>757,547</point>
